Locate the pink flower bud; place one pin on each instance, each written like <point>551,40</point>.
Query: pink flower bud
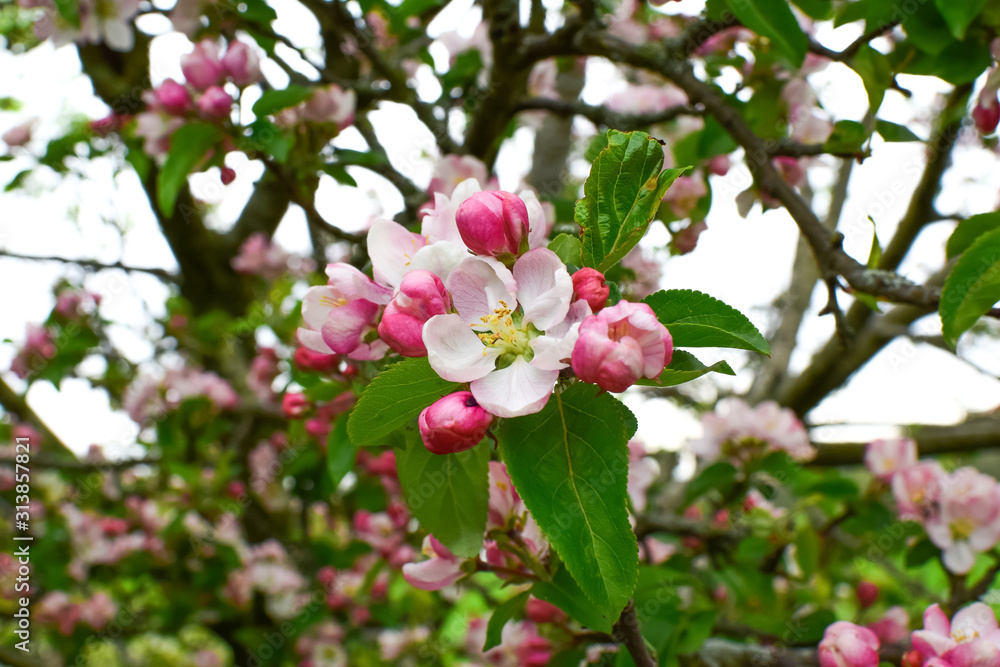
<point>986,113</point>
<point>201,67</point>
<point>619,345</point>
<point>893,627</point>
<point>172,97</point>
<point>310,360</point>
<point>241,64</point>
<point>493,223</point>
<point>541,611</point>
<point>453,423</point>
<point>228,175</point>
<point>421,295</point>
<point>215,103</point>
<point>867,594</point>
<point>719,165</point>
<point>589,285</point>
<point>294,405</point>
<point>686,240</point>
<point>236,489</point>
<point>18,135</point>
<point>847,645</point>
<point>791,170</point>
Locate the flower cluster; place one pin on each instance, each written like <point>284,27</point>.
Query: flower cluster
<point>478,294</point>
<point>970,639</point>
<point>149,399</point>
<point>737,431</point>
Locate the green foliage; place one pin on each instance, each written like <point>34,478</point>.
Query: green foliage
<point>273,101</point>
<point>340,452</point>
<point>720,476</point>
<point>972,287</point>
<point>569,464</point>
<point>621,197</point>
<point>563,591</point>
<point>695,319</point>
<point>396,395</point>
<point>568,249</point>
<point>684,367</point>
<point>958,15</point>
<point>969,230</point>
<point>448,493</point>
<point>188,146</point>
<point>773,19</point>
<point>504,612</point>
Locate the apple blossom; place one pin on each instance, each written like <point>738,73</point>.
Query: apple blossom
<point>884,458</point>
<point>309,360</point>
<point>420,296</point>
<point>867,594</point>
<point>986,113</point>
<point>589,285</point>
<point>451,170</point>
<point>172,97</point>
<point>453,423</point>
<point>331,104</point>
<point>340,314</point>
<point>294,405</point>
<point>504,503</point>
<point>493,223</point>
<point>686,240</point>
<point>441,569</point>
<point>740,431</point>
<point>969,519</point>
<point>917,489</point>
<point>496,340</point>
<point>683,195</point>
<point>970,639</point>
<point>619,345</point>
<point>201,67</point>
<point>848,645</point>
<point>893,627</point>
<point>215,103</point>
<point>18,135</point>
<point>241,63</point>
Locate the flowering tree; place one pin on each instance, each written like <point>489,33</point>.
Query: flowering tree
<point>431,462</point>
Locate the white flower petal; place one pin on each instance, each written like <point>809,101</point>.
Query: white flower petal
<point>544,287</point>
<point>537,224</point>
<point>318,302</point>
<point>313,340</point>
<point>440,258</point>
<point>392,248</point>
<point>454,351</point>
<point>476,290</point>
<point>520,389</point>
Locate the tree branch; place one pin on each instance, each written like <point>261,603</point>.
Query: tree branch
<point>15,404</point>
<point>82,466</point>
<point>627,632</point>
<point>162,274</point>
<point>603,116</point>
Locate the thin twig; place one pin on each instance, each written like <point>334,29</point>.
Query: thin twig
<point>627,632</point>
<point>163,274</point>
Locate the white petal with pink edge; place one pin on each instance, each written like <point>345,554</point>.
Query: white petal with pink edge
<point>455,352</point>
<point>558,342</point>
<point>353,284</point>
<point>520,389</point>
<point>476,291</point>
<point>392,248</point>
<point>544,287</point>
<point>313,340</point>
<point>319,302</point>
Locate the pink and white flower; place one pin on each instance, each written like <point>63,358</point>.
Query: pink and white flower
<point>490,342</point>
<point>847,645</point>
<point>504,502</point>
<point>917,490</point>
<point>202,68</point>
<point>451,170</point>
<point>421,295</point>
<point>970,639</point>
<point>340,314</point>
<point>736,425</point>
<point>619,345</point>
<point>440,570</point>
<point>241,63</point>
<point>969,520</point>
<point>884,458</point>
<point>893,627</point>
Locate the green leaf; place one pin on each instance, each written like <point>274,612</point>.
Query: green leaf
<point>875,13</point>
<point>267,137</point>
<point>629,419</point>
<point>969,230</point>
<point>621,197</point>
<point>720,475</point>
<point>563,591</point>
<point>958,15</point>
<point>569,463</point>
<point>684,367</point>
<point>340,452</point>
<point>847,137</point>
<point>838,488</point>
<point>339,174</point>
<point>876,74</point>
<point>394,397</point>
<point>699,628</point>
<point>568,248</point>
<point>922,551</point>
<point>875,255</point>
<point>18,181</point>
<point>807,551</point>
<point>695,319</point>
<point>448,493</point>
<point>273,101</point>
<point>188,145</point>
<point>503,613</point>
<point>773,19</point>
<point>972,287</point>
<point>69,10</point>
<point>820,10</point>
<point>894,132</point>
<point>927,29</point>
